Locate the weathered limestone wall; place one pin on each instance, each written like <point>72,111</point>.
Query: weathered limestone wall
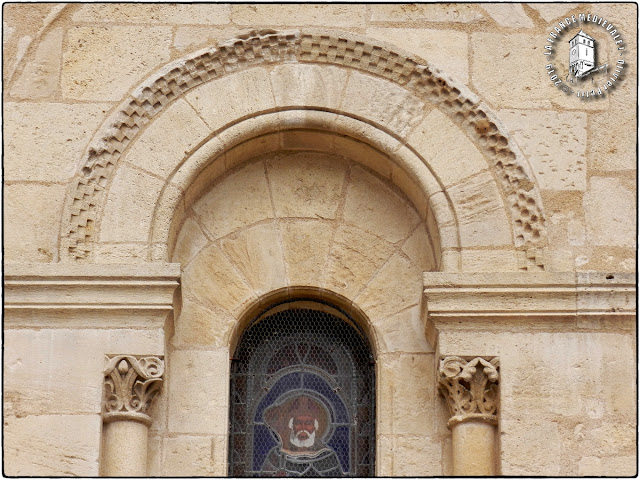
<point>567,365</point>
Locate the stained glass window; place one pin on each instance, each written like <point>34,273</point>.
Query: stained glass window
<point>302,395</point>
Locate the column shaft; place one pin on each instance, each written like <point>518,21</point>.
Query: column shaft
<point>124,449</point>
<point>473,448</point>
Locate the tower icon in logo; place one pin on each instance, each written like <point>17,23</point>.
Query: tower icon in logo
<point>582,53</point>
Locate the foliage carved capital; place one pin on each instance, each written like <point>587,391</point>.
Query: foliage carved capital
<point>130,385</point>
<point>470,388</point>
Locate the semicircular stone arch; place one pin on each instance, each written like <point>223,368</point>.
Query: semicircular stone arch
<point>372,83</point>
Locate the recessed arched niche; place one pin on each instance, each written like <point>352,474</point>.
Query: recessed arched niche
<point>300,217</point>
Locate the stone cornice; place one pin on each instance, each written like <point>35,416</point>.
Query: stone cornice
<point>464,296</point>
<point>59,295</point>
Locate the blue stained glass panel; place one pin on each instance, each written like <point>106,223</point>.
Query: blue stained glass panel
<point>301,383</point>
<point>318,384</point>
<point>339,442</point>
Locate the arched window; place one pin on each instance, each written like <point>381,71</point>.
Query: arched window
<point>302,395</point>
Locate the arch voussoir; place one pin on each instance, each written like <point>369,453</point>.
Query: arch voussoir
<point>283,50</point>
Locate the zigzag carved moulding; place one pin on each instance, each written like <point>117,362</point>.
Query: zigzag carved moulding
<point>268,46</point>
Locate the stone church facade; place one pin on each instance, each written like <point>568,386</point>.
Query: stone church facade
<point>180,178</point>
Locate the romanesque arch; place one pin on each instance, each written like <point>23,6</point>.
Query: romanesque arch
<point>409,119</point>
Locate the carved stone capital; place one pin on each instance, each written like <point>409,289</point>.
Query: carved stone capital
<point>470,388</point>
<point>130,385</point>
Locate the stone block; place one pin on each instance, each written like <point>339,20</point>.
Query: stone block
<point>555,145</point>
<point>402,332</point>
<point>45,141</point>
<point>441,224</point>
<point>405,406</point>
<point>191,14</point>
<point>52,445</point>
<point>489,260</point>
<point>215,282</point>
<point>610,213</point>
<point>447,50</point>
<point>364,154</point>
<point>188,454</point>
<point>417,456</point>
<point>508,71</point>
<point>426,12</point>
<point>161,148</point>
<point>22,23</point>
<point>383,102</point>
<point>582,370</point>
<point>412,187</point>
<point>419,248</point>
<point>256,253</point>
<point>526,443</point>
<point>508,15</point>
<point>40,76</point>
<point>609,437</point>
<point>450,155</point>
<point>355,257</point>
<point>395,287</point>
<point>29,387</point>
<point>154,454</point>
<point>605,259</point>
<point>120,253</point>
<point>190,241</point>
<point>372,206</point>
<point>237,200</point>
<point>349,15</point>
<point>490,229</point>
<point>475,196</point>
<point>307,140</point>
<point>129,207</point>
<point>102,63</point>
<point>306,245</point>
<point>306,184</point>
<point>219,454</point>
<point>257,146</point>
<point>200,171</point>
<point>29,233</point>
<point>450,260</point>
<point>615,130</point>
<point>250,90</point>
<point>618,465</point>
<point>198,325</point>
<point>480,212</point>
<point>198,386</point>
<point>192,37</point>
<point>384,455</point>
<point>167,217</point>
<point>619,393</point>
<point>364,132</point>
<point>308,85</point>
<point>552,11</point>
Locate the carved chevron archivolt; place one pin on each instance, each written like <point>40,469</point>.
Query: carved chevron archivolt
<point>268,46</point>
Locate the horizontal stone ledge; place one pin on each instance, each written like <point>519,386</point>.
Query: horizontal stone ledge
<point>529,279</point>
<point>85,319</point>
<point>460,295</point>
<point>71,271</point>
<point>61,294</point>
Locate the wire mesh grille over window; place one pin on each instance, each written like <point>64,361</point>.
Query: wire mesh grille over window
<point>302,398</point>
